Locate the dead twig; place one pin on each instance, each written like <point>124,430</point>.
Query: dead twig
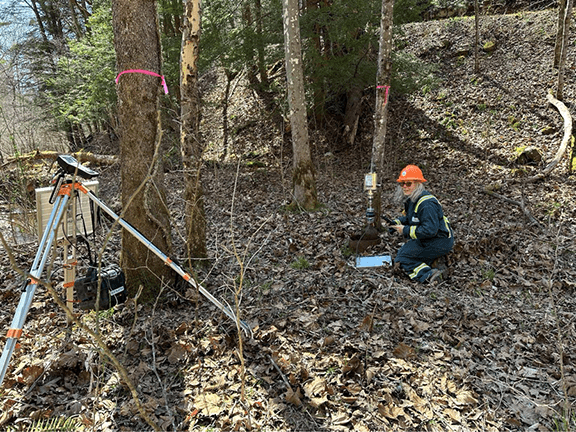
<point>520,204</point>
<point>286,383</point>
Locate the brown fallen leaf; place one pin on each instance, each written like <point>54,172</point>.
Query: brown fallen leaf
<point>390,411</point>
<point>367,323</point>
<point>315,387</point>
<point>403,351</point>
<point>453,414</point>
<point>209,404</point>
<point>294,397</point>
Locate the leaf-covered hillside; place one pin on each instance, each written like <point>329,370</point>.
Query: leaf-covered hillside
<point>489,348</point>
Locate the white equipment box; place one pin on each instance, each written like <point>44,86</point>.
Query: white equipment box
<point>44,208</point>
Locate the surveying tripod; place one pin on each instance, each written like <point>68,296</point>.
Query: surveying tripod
<point>65,189</point>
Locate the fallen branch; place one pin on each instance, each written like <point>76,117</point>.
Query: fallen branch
<point>516,203</point>
<point>565,140</point>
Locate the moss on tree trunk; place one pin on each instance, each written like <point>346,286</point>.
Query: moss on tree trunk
<point>304,185</point>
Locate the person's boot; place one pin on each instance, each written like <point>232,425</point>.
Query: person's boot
<point>441,263</point>
<point>435,274</point>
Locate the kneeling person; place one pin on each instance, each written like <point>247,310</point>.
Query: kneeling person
<point>423,224</point>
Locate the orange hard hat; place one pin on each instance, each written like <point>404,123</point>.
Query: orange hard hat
<point>411,172</point>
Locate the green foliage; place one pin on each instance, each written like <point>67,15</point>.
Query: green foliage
<point>301,263</point>
<point>82,89</point>
<point>170,14</point>
<point>410,74</point>
<point>171,46</point>
<point>488,273</point>
<point>407,11</point>
<point>230,38</point>
<point>74,78</point>
<point>57,424</point>
<point>337,45</point>
<point>266,286</point>
<point>514,123</point>
<point>347,252</point>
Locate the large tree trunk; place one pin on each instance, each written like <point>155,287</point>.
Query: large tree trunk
<point>137,45</point>
<point>303,176</point>
<point>383,81</point>
<point>191,145</point>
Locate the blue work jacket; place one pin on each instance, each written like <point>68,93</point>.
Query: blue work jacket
<point>424,219</point>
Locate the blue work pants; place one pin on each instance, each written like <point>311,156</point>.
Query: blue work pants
<point>416,256</point>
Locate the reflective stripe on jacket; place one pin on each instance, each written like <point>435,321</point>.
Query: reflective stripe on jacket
<point>425,218</point>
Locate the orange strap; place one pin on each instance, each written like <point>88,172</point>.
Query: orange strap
<point>68,284</point>
<point>14,333</point>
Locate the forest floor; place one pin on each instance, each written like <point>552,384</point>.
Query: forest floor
<point>489,348</point>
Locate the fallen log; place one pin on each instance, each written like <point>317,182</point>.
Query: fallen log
<point>565,140</point>
<point>48,155</point>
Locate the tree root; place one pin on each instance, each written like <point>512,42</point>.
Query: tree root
<point>565,140</point>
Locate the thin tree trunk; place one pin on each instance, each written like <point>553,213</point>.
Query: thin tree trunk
<point>383,82</point>
<point>260,44</point>
<point>559,32</point>
<point>177,18</point>
<point>352,113</point>
<point>34,7</point>
<point>320,41</point>
<point>567,18</point>
<point>75,22</point>
<point>191,145</point>
<point>303,175</point>
<point>230,75</point>
<point>477,38</point>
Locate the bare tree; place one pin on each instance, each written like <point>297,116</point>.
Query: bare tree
<point>137,46</point>
<point>383,82</point>
<point>564,48</point>
<point>303,175</point>
<point>477,36</point>
<point>559,32</point>
<point>190,143</point>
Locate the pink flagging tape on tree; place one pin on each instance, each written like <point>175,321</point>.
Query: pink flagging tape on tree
<point>387,87</point>
<point>146,72</point>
